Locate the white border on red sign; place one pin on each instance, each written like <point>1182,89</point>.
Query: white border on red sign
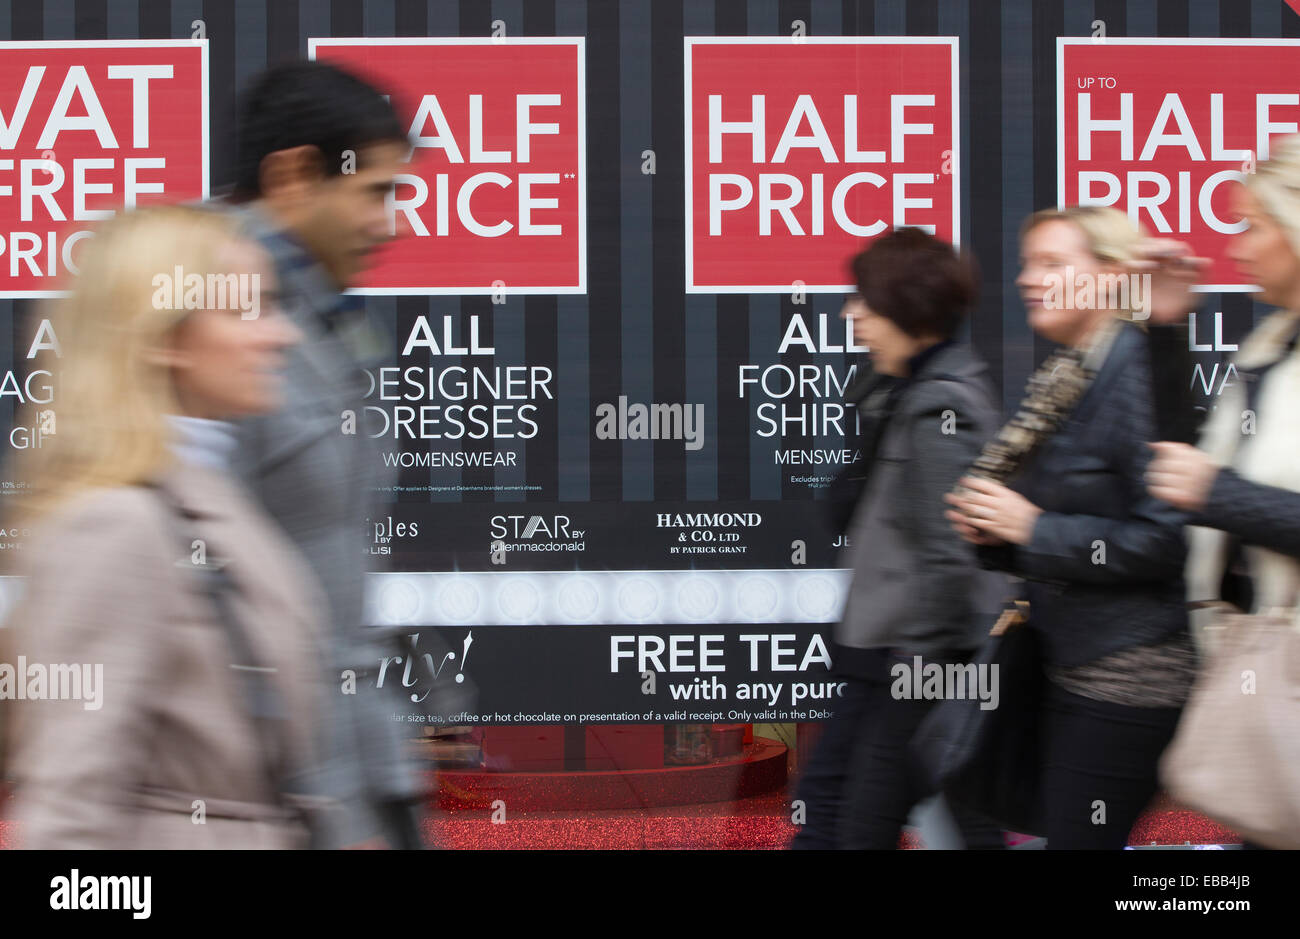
<point>581,43</point>
<point>1063,41</point>
<point>119,44</point>
<point>689,41</point>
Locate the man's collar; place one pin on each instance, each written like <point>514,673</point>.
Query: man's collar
<point>299,269</point>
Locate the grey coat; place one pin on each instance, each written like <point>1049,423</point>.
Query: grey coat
<point>169,758</point>
<point>319,483</point>
<point>917,586</point>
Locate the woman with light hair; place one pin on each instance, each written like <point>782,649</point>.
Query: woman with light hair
<point>1244,480</point>
<point>149,573</point>
<point>1242,487</point>
<point>1057,499</point>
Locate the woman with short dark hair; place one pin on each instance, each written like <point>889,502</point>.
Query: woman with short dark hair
<point>917,595</point>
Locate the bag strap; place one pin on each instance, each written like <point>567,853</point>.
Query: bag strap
<point>259,695</point>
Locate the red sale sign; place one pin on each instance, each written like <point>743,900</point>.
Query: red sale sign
<point>494,197</point>
<point>86,128</point>
<point>800,150</point>
<point>1165,128</point>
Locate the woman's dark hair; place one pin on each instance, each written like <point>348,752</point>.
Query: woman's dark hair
<point>918,281</point>
<point>302,103</point>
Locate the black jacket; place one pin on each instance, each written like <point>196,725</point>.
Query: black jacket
<point>1104,568</point>
<point>1260,515</point>
<point>1177,414</point>
<point>916,585</point>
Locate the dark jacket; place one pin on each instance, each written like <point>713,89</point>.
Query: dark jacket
<point>1256,514</point>
<point>1177,415</point>
<point>1253,559</point>
<point>1104,567</point>
<point>916,585</point>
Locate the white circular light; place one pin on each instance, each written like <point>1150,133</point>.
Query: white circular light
<point>458,600</point>
<point>818,599</point>
<point>399,601</point>
<point>578,599</point>
<point>518,600</point>
<point>638,599</point>
<point>697,598</point>
<point>756,599</point>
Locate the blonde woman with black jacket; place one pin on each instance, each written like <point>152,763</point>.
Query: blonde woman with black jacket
<point>1101,559</point>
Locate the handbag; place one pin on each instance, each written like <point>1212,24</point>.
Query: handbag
<point>987,761</point>
<point>1236,753</point>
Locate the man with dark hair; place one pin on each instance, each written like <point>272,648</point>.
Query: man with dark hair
<point>317,150</point>
<point>317,153</point>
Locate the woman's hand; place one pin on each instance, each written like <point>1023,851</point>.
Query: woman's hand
<point>1181,475</point>
<point>964,528</point>
<point>990,513</point>
<point>1174,269</point>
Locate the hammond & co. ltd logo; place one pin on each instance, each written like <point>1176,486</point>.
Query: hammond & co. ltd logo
<point>708,532</point>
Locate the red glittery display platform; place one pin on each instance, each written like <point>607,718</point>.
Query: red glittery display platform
<point>760,768</point>
<point>758,822</point>
<point>761,823</point>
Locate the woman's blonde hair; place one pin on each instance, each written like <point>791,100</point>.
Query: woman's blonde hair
<point>1276,184</point>
<point>110,400</point>
<point>1112,237</point>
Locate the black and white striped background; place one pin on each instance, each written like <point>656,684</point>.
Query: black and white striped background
<point>636,332</point>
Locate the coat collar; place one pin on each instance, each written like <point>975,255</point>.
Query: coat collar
<point>311,297</point>
<point>952,359</point>
<point>203,442</point>
<point>200,491</point>
<point>1123,346</point>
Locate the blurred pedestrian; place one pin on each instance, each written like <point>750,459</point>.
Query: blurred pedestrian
<point>1101,559</point>
<point>168,629</point>
<point>917,597</point>
<point>1237,757</point>
<point>317,155</point>
<point>1244,481</point>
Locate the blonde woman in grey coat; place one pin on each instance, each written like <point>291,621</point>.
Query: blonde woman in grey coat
<point>187,617</point>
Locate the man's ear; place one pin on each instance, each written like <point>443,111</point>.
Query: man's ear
<point>287,176</point>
